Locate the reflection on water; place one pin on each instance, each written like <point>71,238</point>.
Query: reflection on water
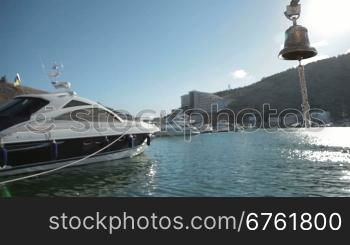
<point>297,163</point>
<point>318,156</point>
<point>104,179</point>
<point>328,137</point>
<point>323,145</point>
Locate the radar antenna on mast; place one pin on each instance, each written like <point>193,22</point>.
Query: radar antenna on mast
<point>56,71</point>
<point>54,74</point>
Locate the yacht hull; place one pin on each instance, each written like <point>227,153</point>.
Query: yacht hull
<point>114,154</point>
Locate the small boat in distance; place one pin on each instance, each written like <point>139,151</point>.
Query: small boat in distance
<point>223,126</point>
<point>206,129</point>
<point>47,131</point>
<point>180,125</point>
<point>171,130</point>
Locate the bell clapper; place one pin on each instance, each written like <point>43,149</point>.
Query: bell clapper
<point>305,105</point>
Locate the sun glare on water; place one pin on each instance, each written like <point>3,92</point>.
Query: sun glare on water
<point>328,18</point>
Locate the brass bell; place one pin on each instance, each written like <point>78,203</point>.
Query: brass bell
<point>297,44</point>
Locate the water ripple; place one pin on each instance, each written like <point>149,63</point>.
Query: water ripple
<point>296,163</point>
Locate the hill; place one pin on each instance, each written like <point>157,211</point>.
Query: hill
<point>328,84</point>
<point>7,91</point>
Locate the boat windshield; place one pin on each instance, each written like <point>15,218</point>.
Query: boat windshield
<point>19,110</point>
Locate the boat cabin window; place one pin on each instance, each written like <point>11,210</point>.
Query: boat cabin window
<point>74,103</point>
<point>19,110</point>
<point>89,114</point>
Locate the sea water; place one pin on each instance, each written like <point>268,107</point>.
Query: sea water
<point>256,163</point>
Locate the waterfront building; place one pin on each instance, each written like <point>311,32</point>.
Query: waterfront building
<point>185,101</point>
<point>203,101</point>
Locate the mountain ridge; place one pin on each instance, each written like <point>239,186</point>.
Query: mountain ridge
<point>328,83</point>
<point>8,91</point>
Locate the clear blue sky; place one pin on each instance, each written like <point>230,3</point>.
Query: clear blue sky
<point>137,54</point>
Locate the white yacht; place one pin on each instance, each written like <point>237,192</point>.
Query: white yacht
<point>223,126</point>
<point>173,130</point>
<point>206,129</point>
<point>45,131</point>
<point>180,125</point>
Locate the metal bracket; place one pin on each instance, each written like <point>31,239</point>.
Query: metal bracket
<point>293,12</point>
